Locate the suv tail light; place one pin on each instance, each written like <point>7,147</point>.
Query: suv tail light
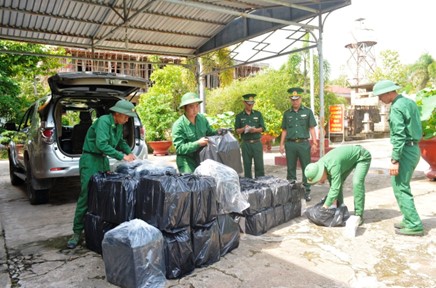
<point>47,135</point>
<point>142,133</point>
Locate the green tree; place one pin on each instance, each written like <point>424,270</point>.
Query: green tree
<point>217,62</point>
<point>420,71</point>
<point>392,69</point>
<point>9,91</point>
<point>158,108</point>
<point>22,74</point>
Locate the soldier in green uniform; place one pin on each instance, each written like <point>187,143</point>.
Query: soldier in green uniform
<point>298,125</point>
<point>405,132</point>
<point>104,139</point>
<point>335,167</point>
<point>249,124</point>
<point>189,133</point>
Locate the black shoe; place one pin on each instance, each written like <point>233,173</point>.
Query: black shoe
<point>307,197</point>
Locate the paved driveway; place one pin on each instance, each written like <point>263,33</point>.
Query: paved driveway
<point>295,254</point>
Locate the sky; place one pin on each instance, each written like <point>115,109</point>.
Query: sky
<point>399,25</point>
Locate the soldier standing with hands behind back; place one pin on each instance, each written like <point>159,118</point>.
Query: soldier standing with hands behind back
<point>405,132</point>
<point>250,125</point>
<point>298,125</point>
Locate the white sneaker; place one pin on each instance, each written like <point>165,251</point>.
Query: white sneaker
<point>351,226</point>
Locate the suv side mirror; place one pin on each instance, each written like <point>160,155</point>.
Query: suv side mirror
<point>10,126</point>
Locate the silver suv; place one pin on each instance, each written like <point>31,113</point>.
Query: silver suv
<point>49,138</point>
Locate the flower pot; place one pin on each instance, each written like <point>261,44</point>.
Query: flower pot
<point>267,140</point>
<point>160,148</point>
<point>428,153</point>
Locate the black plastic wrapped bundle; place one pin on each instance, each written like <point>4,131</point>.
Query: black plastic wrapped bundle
<point>164,202</point>
<point>279,215</point>
<point>229,152</point>
<point>133,255</point>
<point>255,224</point>
<point>223,149</point>
<point>206,244</point>
<point>229,233</point>
<point>210,151</point>
<point>281,189</point>
<point>260,222</point>
<point>113,197</point>
<point>292,210</point>
<point>179,258</point>
<point>95,228</point>
<point>204,204</point>
<point>259,197</point>
<point>94,188</point>
<point>329,217</point>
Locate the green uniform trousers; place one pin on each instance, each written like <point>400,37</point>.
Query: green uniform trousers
<point>297,151</point>
<point>89,165</point>
<point>401,185</point>
<point>360,171</point>
<point>250,152</point>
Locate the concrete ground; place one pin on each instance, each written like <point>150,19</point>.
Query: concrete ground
<point>295,254</point>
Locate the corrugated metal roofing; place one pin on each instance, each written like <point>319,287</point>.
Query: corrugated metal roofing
<point>163,27</point>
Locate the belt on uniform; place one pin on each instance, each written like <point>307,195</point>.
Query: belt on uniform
<point>411,143</point>
<point>252,141</point>
<point>94,153</point>
<point>297,140</point>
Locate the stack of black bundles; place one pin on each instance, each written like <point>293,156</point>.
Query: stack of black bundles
<point>205,232</point>
<point>273,201</point>
<point>165,202</point>
<point>259,217</point>
<point>133,255</point>
<point>111,201</point>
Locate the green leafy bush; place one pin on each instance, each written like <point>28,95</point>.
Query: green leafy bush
<point>157,116</point>
<point>426,101</point>
<point>223,120</point>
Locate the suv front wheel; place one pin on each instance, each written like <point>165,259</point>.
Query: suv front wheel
<point>15,180</point>
<point>35,196</point>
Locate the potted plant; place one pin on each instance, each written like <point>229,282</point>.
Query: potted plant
<point>157,116</point>
<point>273,123</point>
<point>426,101</point>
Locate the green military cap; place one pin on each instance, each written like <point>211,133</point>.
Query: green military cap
<point>249,98</point>
<point>124,107</point>
<point>295,92</point>
<point>313,172</point>
<point>384,86</point>
<point>189,98</point>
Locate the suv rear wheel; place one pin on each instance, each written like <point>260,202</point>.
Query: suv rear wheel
<point>35,196</point>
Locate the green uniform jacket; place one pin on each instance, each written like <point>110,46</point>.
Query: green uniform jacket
<point>339,163</point>
<point>297,124</point>
<point>105,137</point>
<point>255,119</point>
<point>404,123</point>
<point>185,136</point>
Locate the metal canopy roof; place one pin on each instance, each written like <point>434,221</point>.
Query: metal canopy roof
<point>164,27</point>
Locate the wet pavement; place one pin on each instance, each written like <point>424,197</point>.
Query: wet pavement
<point>294,254</point>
